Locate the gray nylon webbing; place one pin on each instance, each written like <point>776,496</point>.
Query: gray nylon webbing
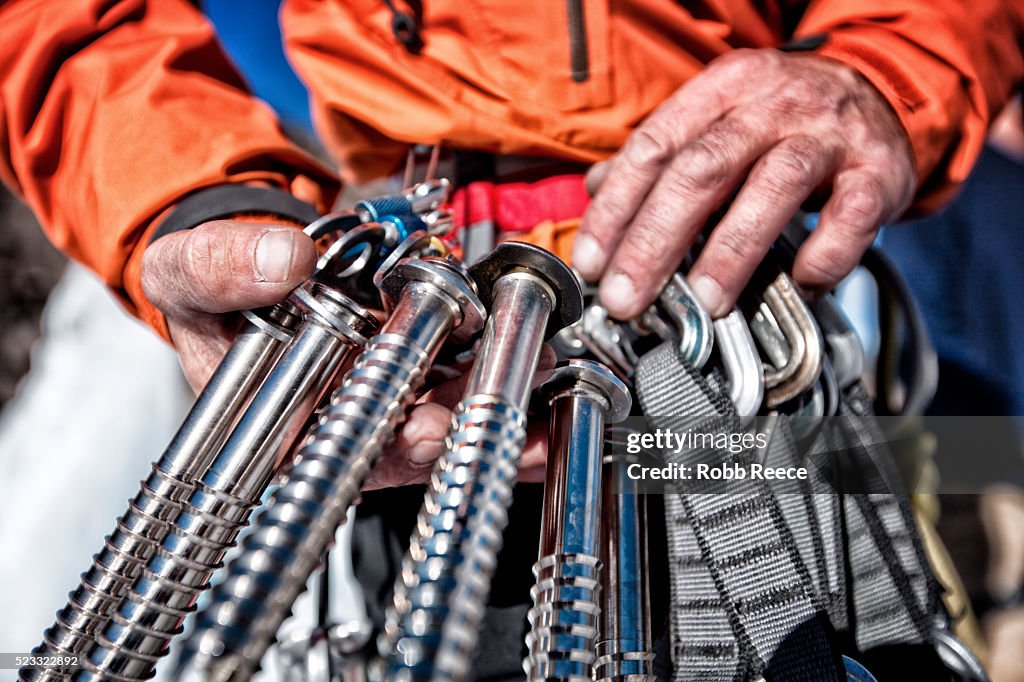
<point>896,596</point>
<point>744,603</point>
<point>812,519</point>
<point>751,572</point>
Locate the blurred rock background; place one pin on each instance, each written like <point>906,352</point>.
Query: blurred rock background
<point>29,269</point>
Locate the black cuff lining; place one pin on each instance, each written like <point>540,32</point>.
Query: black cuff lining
<point>225,201</point>
<point>806,44</point>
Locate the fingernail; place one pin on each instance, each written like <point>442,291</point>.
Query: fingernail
<point>424,452</point>
<point>587,257</point>
<point>709,294</point>
<point>618,294</point>
<point>595,177</point>
<point>274,255</point>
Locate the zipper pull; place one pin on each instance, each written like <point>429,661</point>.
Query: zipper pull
<point>405,28</point>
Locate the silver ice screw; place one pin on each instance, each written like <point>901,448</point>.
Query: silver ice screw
<point>431,631</point>
<point>432,299</point>
<point>584,396</point>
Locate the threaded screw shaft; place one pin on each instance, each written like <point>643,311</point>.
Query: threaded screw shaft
<point>208,523</point>
<point>331,468</point>
<point>148,520</point>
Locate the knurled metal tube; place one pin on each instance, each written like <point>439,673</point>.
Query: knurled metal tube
<point>431,629</point>
<point>300,521</point>
<point>624,652</point>
<point>207,523</point>
<point>564,618</point>
<point>146,523</point>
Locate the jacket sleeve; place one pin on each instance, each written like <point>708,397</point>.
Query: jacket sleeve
<point>945,66</point>
<point>113,110</point>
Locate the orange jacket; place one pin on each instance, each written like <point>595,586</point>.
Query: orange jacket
<point>113,110</point>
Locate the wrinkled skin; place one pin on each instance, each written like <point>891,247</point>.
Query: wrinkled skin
<point>773,128</point>
<point>195,277</point>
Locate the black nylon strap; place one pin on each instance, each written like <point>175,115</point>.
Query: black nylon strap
<point>225,201</point>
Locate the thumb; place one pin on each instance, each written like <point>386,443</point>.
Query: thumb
<point>225,265</point>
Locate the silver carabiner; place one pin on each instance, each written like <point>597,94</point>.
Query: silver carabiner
<point>802,367</point>
<point>844,347</point>
<point>419,244</point>
<point>351,253</point>
<point>332,224</point>
<point>744,371</point>
<point>696,334</point>
<point>605,339</point>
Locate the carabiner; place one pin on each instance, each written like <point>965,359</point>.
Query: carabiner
<point>844,347</point>
<point>692,322</point>
<point>802,367</point>
<point>744,371</point>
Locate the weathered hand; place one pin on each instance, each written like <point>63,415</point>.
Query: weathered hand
<point>196,276</point>
<point>780,127</point>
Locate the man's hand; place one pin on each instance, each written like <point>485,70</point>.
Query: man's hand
<point>421,441</point>
<point>196,276</point>
<point>781,125</point>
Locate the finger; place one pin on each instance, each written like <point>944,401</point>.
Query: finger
<point>632,172</point>
<point>419,443</point>
<point>532,474</point>
<point>778,184</point>
<point>595,177</point>
<point>225,265</point>
<point>421,440</point>
<point>847,226</point>
<point>427,425</point>
<point>533,462</point>
<point>697,181</point>
<point>448,393</point>
<point>403,464</point>
<point>547,359</point>
<point>201,345</point>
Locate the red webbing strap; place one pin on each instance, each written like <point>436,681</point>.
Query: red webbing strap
<point>519,206</point>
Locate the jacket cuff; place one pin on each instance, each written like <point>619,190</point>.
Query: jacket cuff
<point>137,302</point>
<point>262,205</point>
<point>931,114</point>
<point>228,201</point>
